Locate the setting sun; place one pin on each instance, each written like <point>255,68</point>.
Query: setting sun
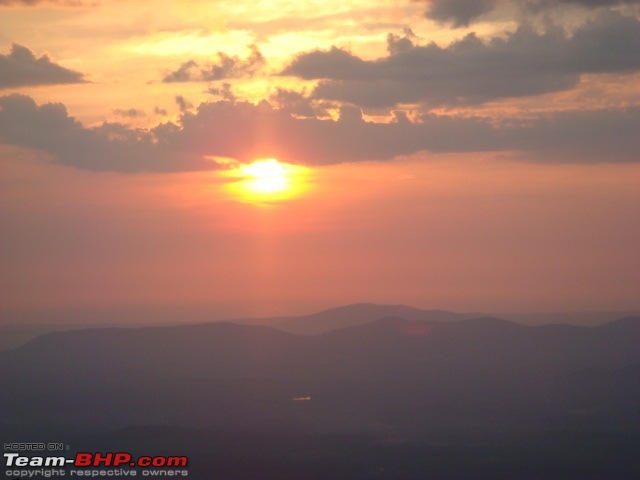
<point>268,179</point>
<point>266,176</point>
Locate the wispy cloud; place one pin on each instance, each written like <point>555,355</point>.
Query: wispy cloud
<point>225,67</point>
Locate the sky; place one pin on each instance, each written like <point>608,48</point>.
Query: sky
<point>278,157</point>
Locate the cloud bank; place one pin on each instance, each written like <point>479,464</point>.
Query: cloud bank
<point>246,132</point>
<point>109,147</point>
<point>470,71</point>
<point>461,13</point>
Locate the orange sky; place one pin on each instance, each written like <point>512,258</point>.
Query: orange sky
<point>443,155</point>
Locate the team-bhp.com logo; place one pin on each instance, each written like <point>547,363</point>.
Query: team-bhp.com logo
<point>84,459</point>
<point>85,464</point>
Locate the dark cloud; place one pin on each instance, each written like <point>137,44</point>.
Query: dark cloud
<point>471,71</point>
<point>21,68</point>
<point>460,13</point>
<point>223,92</point>
<point>112,146</point>
<point>234,67</point>
<point>298,104</point>
<point>397,44</point>
<point>183,104</point>
<point>182,74</point>
<point>543,4</point>
<point>579,136</point>
<point>224,67</point>
<point>246,131</point>
<point>335,63</point>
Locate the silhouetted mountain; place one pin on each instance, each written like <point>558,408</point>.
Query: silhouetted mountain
<point>391,375</point>
<point>29,326</point>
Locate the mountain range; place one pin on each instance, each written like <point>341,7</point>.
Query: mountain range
<point>360,392</point>
<point>393,375</point>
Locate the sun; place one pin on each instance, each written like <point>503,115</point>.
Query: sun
<point>266,176</point>
<point>268,180</point>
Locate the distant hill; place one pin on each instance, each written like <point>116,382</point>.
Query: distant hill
<point>585,319</point>
<point>12,336</point>
<point>392,375</point>
<point>27,325</point>
<point>356,314</point>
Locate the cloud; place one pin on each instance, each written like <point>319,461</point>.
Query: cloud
<point>110,147</point>
<point>182,74</point>
<point>128,113</point>
<point>234,67</point>
<point>397,44</point>
<point>225,67</point>
<point>470,71</point>
<point>247,131</point>
<point>585,3</point>
<point>183,103</point>
<point>579,136</point>
<point>460,13</point>
<point>21,68</point>
<point>223,92</point>
<point>298,104</point>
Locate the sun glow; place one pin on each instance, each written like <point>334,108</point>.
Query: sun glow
<point>266,177</point>
<point>268,180</point>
